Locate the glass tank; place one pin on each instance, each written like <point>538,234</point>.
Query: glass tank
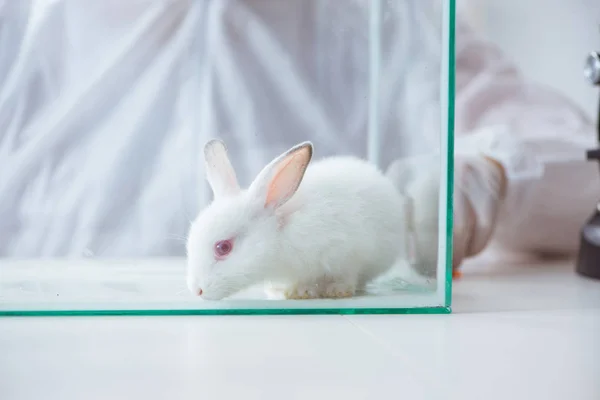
<point>226,157</point>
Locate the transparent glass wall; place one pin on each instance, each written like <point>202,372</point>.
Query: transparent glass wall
<point>258,156</point>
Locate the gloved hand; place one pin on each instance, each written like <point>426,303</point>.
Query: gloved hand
<point>479,186</point>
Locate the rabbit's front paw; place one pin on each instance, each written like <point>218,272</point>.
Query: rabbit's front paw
<point>339,290</point>
<point>275,291</point>
<point>301,292</point>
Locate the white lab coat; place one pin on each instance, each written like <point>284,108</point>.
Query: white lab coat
<point>539,135</point>
<point>105,106</point>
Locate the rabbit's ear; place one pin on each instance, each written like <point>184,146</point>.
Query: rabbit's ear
<point>279,180</point>
<point>219,171</point>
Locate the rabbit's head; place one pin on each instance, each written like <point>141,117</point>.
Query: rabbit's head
<point>235,241</point>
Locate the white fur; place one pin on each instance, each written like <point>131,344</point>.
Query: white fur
<point>343,227</point>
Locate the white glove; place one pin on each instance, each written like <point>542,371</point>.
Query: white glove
<point>479,185</point>
<point>479,188</point>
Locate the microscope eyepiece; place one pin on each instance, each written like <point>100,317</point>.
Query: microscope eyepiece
<point>591,70</point>
<point>588,259</point>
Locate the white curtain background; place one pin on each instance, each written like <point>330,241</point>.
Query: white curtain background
<point>105,106</point>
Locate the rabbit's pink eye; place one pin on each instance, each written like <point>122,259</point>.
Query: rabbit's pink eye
<point>223,247</point>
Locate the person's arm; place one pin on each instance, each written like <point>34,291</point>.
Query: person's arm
<point>537,137</point>
<point>520,175</point>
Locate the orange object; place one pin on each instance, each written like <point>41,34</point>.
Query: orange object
<point>456,274</point>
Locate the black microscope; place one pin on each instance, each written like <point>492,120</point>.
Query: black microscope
<point>588,261</point>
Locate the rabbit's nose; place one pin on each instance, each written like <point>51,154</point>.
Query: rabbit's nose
<point>199,292</point>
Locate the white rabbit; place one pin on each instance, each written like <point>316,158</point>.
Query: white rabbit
<point>317,232</point>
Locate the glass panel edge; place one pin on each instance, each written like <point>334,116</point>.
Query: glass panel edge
<point>450,159</point>
<point>240,311</point>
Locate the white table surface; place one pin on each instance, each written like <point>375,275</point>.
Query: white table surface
<point>517,332</point>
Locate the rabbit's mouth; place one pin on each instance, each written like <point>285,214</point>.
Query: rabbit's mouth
<point>215,293</point>
<point>211,296</point>
<point>215,296</point>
